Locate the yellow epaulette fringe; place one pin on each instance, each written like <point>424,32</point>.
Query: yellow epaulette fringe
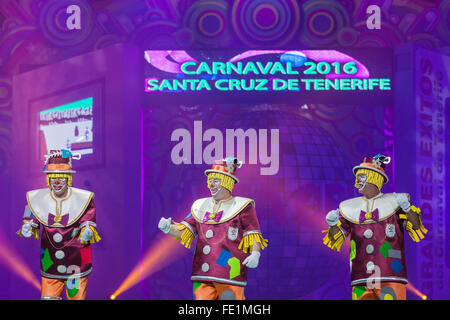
<point>35,233</point>
<point>247,242</point>
<point>33,230</point>
<point>416,235</point>
<point>336,242</point>
<point>95,238</point>
<point>186,237</point>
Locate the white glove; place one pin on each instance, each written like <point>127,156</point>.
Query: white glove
<point>332,217</point>
<point>252,260</point>
<point>86,235</point>
<point>164,224</point>
<point>26,229</point>
<point>403,201</point>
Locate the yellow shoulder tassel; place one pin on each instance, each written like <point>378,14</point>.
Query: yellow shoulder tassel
<point>246,244</point>
<point>95,237</point>
<point>35,233</point>
<point>336,242</point>
<point>186,237</point>
<point>419,233</point>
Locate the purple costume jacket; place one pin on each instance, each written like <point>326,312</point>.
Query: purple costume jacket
<point>217,255</point>
<point>63,256</point>
<point>377,251</point>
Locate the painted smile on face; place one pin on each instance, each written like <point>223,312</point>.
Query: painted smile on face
<point>214,186</point>
<point>58,185</point>
<point>361,180</point>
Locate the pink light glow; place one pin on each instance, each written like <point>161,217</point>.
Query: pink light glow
<point>12,260</point>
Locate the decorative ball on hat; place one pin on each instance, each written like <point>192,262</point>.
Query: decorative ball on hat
<point>225,169</point>
<point>374,164</point>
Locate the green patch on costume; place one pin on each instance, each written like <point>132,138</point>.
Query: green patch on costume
<point>235,267</point>
<point>72,286</point>
<point>195,285</point>
<point>46,260</point>
<point>384,249</point>
<point>352,250</point>
<point>358,291</point>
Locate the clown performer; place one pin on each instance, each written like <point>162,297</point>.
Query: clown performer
<point>375,224</point>
<point>229,237</point>
<point>67,217</point>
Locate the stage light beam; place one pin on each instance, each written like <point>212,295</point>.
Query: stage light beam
<point>414,290</point>
<point>12,260</point>
<point>162,252</point>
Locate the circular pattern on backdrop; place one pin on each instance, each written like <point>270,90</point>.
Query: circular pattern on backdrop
<point>263,22</point>
<point>184,37</point>
<point>387,36</point>
<point>155,35</point>
<point>4,159</point>
<point>361,143</point>
<point>5,93</point>
<point>347,37</point>
<point>53,18</point>
<point>208,22</point>
<point>426,40</point>
<point>106,40</point>
<point>322,22</point>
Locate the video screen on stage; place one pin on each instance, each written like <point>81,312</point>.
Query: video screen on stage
<point>68,126</point>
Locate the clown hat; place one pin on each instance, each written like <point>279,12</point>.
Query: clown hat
<point>226,166</point>
<point>376,163</point>
<point>60,161</point>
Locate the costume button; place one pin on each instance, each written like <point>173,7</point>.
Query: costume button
<point>205,267</point>
<point>370,266</point>
<point>206,249</point>
<point>368,234</point>
<point>61,269</point>
<point>209,234</point>
<point>59,254</point>
<point>57,237</point>
<point>369,249</point>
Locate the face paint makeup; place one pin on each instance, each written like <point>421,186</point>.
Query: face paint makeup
<point>58,185</point>
<point>214,186</point>
<point>361,180</point>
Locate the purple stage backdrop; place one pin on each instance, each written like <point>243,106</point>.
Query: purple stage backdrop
<point>145,150</point>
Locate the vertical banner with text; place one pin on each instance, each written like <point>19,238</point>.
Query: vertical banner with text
<point>432,90</point>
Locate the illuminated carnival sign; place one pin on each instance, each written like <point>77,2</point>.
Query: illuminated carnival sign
<point>259,71</point>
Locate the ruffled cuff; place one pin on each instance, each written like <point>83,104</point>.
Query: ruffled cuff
<point>187,236</point>
<point>95,237</point>
<point>335,243</point>
<point>246,244</point>
<point>415,234</point>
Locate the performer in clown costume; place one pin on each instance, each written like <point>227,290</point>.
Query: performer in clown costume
<point>375,224</point>
<point>229,237</point>
<point>67,216</point>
